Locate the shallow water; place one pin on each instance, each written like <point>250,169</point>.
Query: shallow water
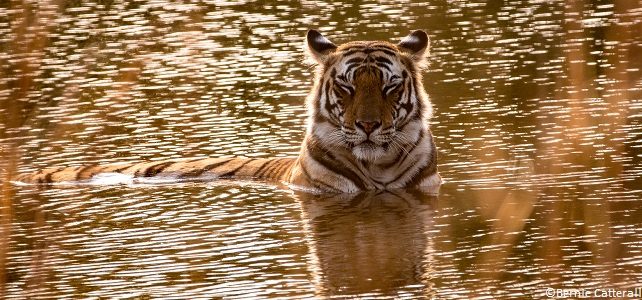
<point>538,118</point>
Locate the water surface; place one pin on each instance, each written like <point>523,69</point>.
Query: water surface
<point>538,119</point>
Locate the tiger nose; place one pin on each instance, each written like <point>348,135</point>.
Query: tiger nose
<point>368,126</point>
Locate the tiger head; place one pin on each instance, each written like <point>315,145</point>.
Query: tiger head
<point>368,95</point>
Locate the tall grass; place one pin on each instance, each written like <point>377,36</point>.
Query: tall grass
<point>28,33</point>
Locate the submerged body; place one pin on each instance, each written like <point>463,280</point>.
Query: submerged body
<point>268,169</point>
<point>368,128</point>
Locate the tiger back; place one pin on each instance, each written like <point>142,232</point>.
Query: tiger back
<point>367,128</point>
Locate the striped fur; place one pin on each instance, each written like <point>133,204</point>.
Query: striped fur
<point>268,169</point>
<point>377,84</point>
<point>368,128</point>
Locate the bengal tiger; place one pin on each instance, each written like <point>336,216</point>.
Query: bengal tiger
<point>367,128</point>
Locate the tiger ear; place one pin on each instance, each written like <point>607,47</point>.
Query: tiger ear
<point>318,46</point>
<point>416,44</point>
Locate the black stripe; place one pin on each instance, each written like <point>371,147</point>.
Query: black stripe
<point>408,121</point>
<point>352,51</point>
<point>329,106</point>
<point>414,145</point>
<point>430,168</point>
<point>279,171</point>
<point>316,183</point>
<point>337,91</point>
<point>414,91</point>
<point>272,170</point>
<point>386,50</point>
<point>358,199</point>
<point>326,159</point>
<point>358,71</point>
<point>394,161</point>
<point>308,177</point>
<point>37,173</point>
<point>420,175</point>
<point>383,60</point>
<point>370,50</point>
<point>233,172</point>
<point>380,65</point>
<point>356,168</point>
<point>415,116</point>
<point>380,46</point>
<point>421,135</point>
<point>157,168</point>
<point>355,60</point>
<point>122,169</point>
<point>262,168</point>
<point>388,88</point>
<point>80,171</point>
<point>350,67</point>
<point>402,197</point>
<point>349,88</point>
<point>196,173</point>
<point>48,178</point>
<point>408,106</point>
<point>411,90</point>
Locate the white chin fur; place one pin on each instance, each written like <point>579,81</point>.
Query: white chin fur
<point>368,152</point>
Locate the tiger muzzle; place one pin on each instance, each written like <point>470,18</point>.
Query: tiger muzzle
<point>368,126</point>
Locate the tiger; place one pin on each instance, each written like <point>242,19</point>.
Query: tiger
<point>367,128</point>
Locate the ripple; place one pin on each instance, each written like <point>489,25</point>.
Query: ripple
<point>537,119</point>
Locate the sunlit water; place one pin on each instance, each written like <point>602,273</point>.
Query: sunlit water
<point>538,118</point>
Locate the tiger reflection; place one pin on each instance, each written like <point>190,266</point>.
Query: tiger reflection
<point>368,242</point>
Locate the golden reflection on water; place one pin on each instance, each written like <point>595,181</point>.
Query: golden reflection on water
<point>210,240</point>
<point>376,242</point>
<point>538,122</point>
<point>183,241</point>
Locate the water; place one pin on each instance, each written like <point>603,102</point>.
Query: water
<point>538,118</point>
